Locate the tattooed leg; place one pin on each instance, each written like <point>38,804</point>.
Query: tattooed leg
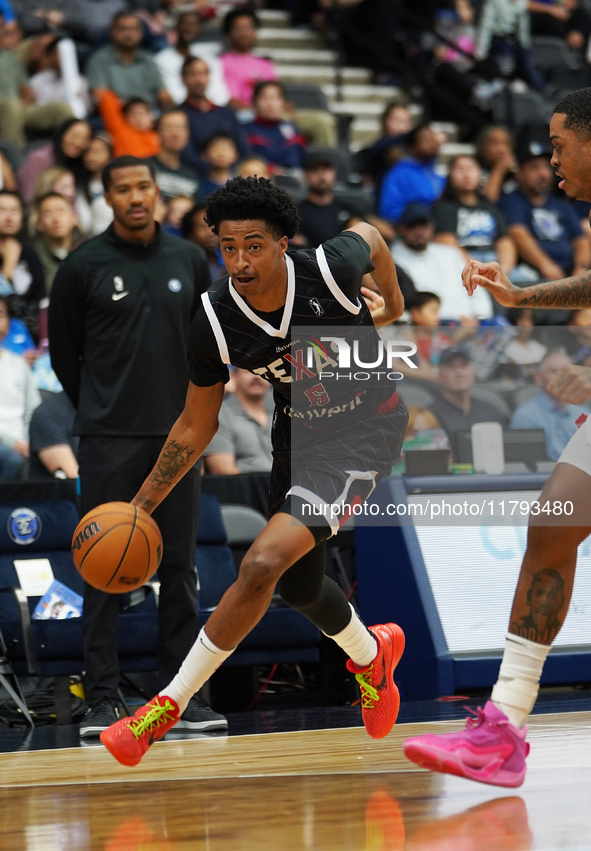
<point>543,592</point>
<point>547,574</point>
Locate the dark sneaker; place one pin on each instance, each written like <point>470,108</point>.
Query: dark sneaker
<point>199,716</point>
<point>98,718</point>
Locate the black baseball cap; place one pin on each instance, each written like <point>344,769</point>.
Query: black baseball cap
<point>452,352</point>
<point>415,213</point>
<point>533,148</point>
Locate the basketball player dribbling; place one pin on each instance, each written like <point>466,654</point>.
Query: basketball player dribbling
<point>492,749</point>
<point>348,437</point>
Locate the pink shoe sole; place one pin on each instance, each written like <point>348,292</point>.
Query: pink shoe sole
<point>448,763</point>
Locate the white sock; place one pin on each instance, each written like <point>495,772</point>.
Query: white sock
<point>357,641</point>
<point>516,690</point>
<point>202,660</point>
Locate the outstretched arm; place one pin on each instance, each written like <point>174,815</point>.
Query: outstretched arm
<point>187,439</point>
<point>569,293</point>
<point>391,304</point>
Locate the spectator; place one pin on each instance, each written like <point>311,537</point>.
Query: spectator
<point>415,178</point>
<point>562,19</point>
<point>53,448</point>
<point>130,124</point>
<point>177,209</point>
<point>195,229</point>
<point>436,268</point>
<point>544,228</point>
<point>170,61</point>
<point>221,154</point>
<point>323,215</point>
<point>205,118</point>
<point>456,409</point>
<point>96,157</point>
<point>495,153</point>
<point>62,181</point>
<point>18,110</point>
<point>524,350</point>
<point>172,176</point>
<point>278,141</point>
<point>24,281</point>
<point>504,34</point>
<point>67,150</point>
<point>56,224</point>
<point>125,69</point>
<point>84,21</point>
<point>253,167</point>
<point>48,82</point>
<point>467,220</point>
<point>7,178</point>
<point>18,399</point>
<point>390,147</point>
<point>243,70</point>
<point>242,443</point>
<point>547,411</point>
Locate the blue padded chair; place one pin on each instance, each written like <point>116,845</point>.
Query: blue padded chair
<point>283,635</point>
<point>53,648</point>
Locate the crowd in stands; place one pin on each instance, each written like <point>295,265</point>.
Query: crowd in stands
<point>185,86</point>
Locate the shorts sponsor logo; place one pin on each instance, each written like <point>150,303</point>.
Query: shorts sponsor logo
<point>24,526</point>
<point>86,534</point>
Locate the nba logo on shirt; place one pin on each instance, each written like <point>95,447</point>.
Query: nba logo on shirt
<point>316,306</point>
<point>174,285</point>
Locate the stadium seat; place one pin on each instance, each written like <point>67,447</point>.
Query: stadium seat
<point>520,108</point>
<point>549,52</point>
<point>305,96</point>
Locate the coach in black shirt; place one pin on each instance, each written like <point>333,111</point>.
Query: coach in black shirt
<point>121,307</point>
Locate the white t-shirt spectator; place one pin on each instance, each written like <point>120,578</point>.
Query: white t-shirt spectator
<point>170,62</point>
<point>18,398</point>
<point>438,269</point>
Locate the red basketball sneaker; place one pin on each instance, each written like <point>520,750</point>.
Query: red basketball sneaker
<point>380,699</point>
<point>129,738</point>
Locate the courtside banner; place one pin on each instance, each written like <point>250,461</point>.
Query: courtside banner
<point>430,405</point>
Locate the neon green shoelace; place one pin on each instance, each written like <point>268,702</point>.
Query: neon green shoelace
<point>369,695</point>
<point>153,719</point>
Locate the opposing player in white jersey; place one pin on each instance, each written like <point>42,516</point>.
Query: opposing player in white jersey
<point>492,749</point>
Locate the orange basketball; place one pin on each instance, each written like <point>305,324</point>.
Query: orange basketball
<point>117,547</point>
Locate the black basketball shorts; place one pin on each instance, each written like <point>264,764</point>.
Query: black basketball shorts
<point>323,476</point>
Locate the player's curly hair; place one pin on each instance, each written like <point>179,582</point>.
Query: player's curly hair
<point>245,198</point>
<point>577,108</point>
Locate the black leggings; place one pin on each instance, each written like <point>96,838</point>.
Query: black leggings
<point>304,587</point>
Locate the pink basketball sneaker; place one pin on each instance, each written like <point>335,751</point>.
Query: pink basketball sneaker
<point>490,749</point>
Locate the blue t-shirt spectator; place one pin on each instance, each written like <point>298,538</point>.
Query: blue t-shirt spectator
<point>408,181</point>
<point>554,224</point>
<point>558,422</point>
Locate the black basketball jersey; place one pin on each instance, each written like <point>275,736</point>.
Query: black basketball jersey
<point>290,353</point>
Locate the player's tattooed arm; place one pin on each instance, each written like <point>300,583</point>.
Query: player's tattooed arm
<point>174,459</point>
<point>188,437</point>
<point>571,293</point>
<point>568,293</point>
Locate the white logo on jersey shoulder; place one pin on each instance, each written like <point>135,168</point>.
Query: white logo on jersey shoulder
<point>316,306</point>
<point>119,288</point>
<point>174,285</point>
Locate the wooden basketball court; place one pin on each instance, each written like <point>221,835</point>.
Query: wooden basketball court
<point>327,790</point>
